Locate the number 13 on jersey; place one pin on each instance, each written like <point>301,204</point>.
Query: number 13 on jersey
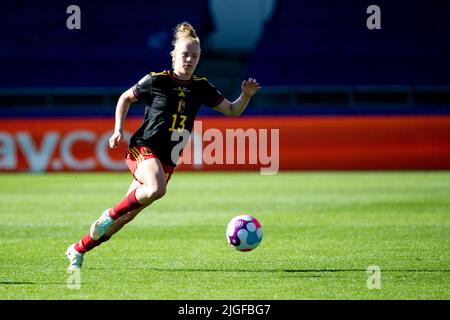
<point>182,119</point>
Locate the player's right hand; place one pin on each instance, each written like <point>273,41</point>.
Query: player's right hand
<point>115,139</point>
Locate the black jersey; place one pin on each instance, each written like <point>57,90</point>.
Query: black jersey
<point>172,104</point>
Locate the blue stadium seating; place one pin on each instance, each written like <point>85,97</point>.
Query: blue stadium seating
<point>318,43</point>
<point>117,44</point>
<point>326,42</point>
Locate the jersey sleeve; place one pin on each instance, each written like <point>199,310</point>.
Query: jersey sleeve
<point>144,88</point>
<point>211,96</point>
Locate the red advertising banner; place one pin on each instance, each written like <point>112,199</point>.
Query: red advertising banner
<point>267,144</point>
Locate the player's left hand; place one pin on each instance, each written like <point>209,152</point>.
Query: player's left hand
<point>250,87</point>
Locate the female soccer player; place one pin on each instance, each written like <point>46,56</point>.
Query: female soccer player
<point>173,100</point>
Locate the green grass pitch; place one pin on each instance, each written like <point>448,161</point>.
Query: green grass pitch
<point>322,230</point>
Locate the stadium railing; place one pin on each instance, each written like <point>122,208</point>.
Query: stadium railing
<point>297,100</point>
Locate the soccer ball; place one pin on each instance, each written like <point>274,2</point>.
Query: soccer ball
<point>244,233</point>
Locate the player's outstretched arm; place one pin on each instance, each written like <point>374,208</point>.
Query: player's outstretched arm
<point>122,107</point>
<point>234,109</point>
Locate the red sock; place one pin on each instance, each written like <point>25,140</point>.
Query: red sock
<point>87,243</point>
<point>127,204</point>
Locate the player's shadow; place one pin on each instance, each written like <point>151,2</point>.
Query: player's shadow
<point>25,283</point>
<point>15,282</point>
<point>364,270</point>
<point>300,271</point>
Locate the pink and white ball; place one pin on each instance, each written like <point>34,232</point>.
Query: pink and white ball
<point>244,233</point>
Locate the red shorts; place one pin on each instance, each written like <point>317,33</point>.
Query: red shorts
<point>137,154</point>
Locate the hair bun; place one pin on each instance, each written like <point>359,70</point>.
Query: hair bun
<point>186,31</point>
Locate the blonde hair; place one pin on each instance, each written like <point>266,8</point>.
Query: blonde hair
<point>183,31</point>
